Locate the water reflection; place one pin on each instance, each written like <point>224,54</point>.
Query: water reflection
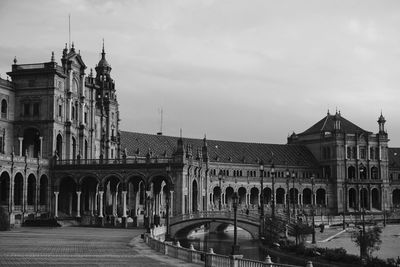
<point>222,243</point>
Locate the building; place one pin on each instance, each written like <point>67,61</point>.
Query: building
<point>63,155</point>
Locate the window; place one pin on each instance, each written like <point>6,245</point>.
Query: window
<point>112,153</point>
<point>85,117</point>
<point>4,109</point>
<point>26,109</point>
<point>363,153</point>
<point>73,113</point>
<point>1,145</point>
<point>371,153</point>
<point>349,152</point>
<point>59,110</point>
<point>35,109</point>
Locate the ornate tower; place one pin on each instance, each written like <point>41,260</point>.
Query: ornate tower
<point>107,110</point>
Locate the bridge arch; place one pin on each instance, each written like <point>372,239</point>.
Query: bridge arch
<point>183,227</point>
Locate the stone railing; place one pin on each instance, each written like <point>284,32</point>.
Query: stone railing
<point>215,214</point>
<point>136,160</point>
<point>209,259</point>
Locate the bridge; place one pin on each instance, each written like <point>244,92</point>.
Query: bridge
<point>185,222</point>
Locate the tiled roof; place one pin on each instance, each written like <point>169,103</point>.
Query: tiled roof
<point>326,125</point>
<point>394,157</point>
<point>222,151</point>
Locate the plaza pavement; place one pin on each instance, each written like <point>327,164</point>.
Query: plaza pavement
<point>79,246</point>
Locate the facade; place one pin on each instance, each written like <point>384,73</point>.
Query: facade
<point>63,155</point>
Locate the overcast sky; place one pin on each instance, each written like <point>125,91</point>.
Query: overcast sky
<point>235,70</point>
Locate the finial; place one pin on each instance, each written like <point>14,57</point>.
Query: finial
<point>328,112</point>
<point>180,132</point>
<point>73,47</point>
<point>79,52</point>
<point>15,60</point>
<point>66,47</point>
<point>52,56</point>
<point>103,46</point>
<point>91,72</point>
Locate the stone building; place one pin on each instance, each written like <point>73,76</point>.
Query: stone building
<point>63,155</point>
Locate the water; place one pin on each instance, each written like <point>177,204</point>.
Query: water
<point>222,243</point>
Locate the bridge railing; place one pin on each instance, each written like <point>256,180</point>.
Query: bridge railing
<point>209,259</point>
<point>214,214</point>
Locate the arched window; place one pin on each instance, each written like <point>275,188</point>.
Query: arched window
<point>374,173</point>
<point>3,109</point>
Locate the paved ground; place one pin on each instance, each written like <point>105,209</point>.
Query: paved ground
<point>79,246</point>
<point>388,249</point>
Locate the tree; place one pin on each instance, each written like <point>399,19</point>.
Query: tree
<point>300,231</point>
<point>369,241</point>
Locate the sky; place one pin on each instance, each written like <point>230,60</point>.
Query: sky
<point>252,71</point>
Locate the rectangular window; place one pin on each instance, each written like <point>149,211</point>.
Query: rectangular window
<point>26,109</point>
<point>1,145</point>
<point>59,110</point>
<point>363,153</point>
<point>85,117</point>
<point>36,109</point>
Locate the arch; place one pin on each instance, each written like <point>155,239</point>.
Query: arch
<point>375,199</point>
<point>67,198</point>
<point>320,196</point>
<point>4,109</point>
<point>364,203</point>
<point>254,196</point>
<point>18,189</point>
<point>44,183</point>
<point>228,196</point>
<point>59,146</point>
<point>280,196</point>
<point>88,186</point>
<point>217,196</point>
<point>396,197</point>
<point>374,173</point>
<point>351,172</point>
<point>195,194</point>
<point>307,196</point>
<point>31,142</point>
<point>112,190</point>
<point>242,195</point>
<point>352,198</point>
<point>5,188</point>
<point>31,194</point>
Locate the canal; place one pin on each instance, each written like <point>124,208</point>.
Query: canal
<point>222,243</point>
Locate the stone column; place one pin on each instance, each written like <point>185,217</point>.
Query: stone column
<point>96,197</point>
<point>78,204</point>
<point>70,204</point>
<point>114,203</point>
<point>124,219</point>
<point>101,204</point>
<point>56,204</point>
<point>171,203</point>
<point>20,139</point>
<point>41,146</point>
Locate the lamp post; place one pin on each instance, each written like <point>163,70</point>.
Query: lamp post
<point>167,234</point>
<point>235,247</point>
<point>362,210</point>
<point>220,189</point>
<point>273,190</point>
<point>287,194</point>
<point>312,207</point>
<point>294,195</point>
<point>262,198</point>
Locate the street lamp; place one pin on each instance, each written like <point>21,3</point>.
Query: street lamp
<point>220,189</point>
<point>287,174</point>
<point>235,247</point>
<point>262,198</point>
<point>294,195</point>
<point>167,234</point>
<point>312,207</point>
<point>273,190</point>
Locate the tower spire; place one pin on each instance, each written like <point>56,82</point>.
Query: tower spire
<point>103,53</point>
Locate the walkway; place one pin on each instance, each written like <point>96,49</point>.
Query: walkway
<point>79,246</point>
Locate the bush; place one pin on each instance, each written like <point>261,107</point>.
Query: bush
<point>4,220</point>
